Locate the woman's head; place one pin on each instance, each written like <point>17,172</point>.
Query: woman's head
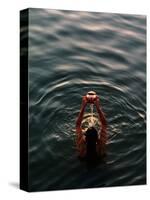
<point>91,135</point>
<point>91,139</point>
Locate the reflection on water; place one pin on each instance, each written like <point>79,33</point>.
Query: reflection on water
<point>71,53</point>
<point>90,119</point>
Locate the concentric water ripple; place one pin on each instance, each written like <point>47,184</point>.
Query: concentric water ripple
<point>71,53</point>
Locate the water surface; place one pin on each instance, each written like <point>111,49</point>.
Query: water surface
<point>71,53</point>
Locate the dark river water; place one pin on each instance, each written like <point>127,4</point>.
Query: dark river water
<point>71,53</point>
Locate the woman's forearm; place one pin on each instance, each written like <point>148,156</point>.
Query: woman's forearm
<point>101,118</point>
<point>80,116</point>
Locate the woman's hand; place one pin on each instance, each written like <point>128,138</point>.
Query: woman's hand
<point>91,98</point>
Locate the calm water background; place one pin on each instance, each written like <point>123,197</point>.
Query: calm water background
<point>71,53</point>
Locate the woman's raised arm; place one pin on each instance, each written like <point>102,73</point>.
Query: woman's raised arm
<point>80,116</point>
<point>103,135</point>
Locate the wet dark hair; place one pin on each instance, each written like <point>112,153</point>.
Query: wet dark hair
<point>91,138</point>
<point>91,134</point>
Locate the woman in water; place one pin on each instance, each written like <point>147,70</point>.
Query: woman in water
<point>92,143</point>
